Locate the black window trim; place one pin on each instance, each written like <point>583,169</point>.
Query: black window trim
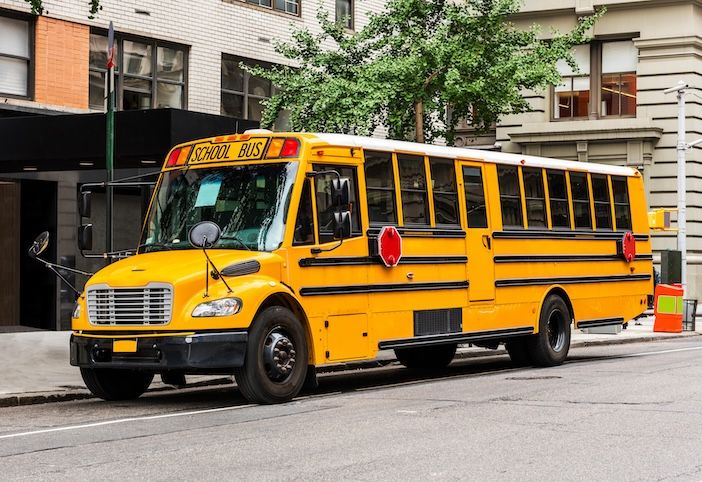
<point>519,196</point>
<point>595,202</point>
<point>591,228</point>
<point>425,191</point>
<point>625,180</point>
<point>155,43</point>
<point>542,199</point>
<point>392,189</point>
<point>31,60</point>
<point>354,233</point>
<point>430,186</point>
<point>567,200</point>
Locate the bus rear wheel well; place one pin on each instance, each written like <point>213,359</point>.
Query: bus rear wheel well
<point>564,296</point>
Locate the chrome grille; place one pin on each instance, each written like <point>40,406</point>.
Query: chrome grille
<point>149,305</point>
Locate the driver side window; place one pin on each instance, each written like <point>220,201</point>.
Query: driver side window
<point>304,224</point>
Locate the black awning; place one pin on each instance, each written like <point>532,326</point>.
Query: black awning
<point>62,142</point>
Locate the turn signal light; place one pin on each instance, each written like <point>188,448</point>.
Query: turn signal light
<point>274,148</point>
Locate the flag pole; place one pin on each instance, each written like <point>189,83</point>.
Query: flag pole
<point>110,138</point>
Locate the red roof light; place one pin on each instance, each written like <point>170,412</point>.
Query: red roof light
<point>173,158</point>
<point>290,148</point>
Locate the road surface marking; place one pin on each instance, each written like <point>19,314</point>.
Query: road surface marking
<point>125,420</point>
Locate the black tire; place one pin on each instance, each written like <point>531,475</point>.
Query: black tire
<point>518,351</point>
<point>263,379</point>
<point>426,357</point>
<point>113,384</point>
<point>549,347</point>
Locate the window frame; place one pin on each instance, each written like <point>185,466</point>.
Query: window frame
<point>352,17</point>
<point>595,202</point>
<point>531,198</point>
<point>588,202</point>
<point>355,210</point>
<point>245,85</point>
<point>615,225</point>
<point>595,91</point>
<point>392,189</point>
<point>272,7</point>
<point>433,191</point>
<point>154,78</point>
<point>519,197</point>
<point>551,199</point>
<point>428,209</point>
<point>31,59</point>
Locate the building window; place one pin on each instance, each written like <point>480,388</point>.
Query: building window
<point>291,7</point>
<point>148,74</point>
<point>605,84</point>
<point>380,188</point>
<point>344,13</point>
<point>15,57</point>
<point>242,92</point>
<point>510,197</point>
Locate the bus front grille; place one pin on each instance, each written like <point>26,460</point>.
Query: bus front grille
<point>149,305</point>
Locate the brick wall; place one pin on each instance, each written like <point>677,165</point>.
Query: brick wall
<point>61,63</point>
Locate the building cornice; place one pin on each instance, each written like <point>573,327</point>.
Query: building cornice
<point>594,131</point>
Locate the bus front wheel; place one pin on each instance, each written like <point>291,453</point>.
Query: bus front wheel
<point>276,358</point>
<point>114,384</point>
<point>549,347</point>
<point>426,357</point>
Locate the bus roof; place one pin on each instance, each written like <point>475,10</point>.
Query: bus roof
<point>378,144</point>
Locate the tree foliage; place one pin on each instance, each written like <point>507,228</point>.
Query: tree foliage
<point>418,68</point>
<point>37,7</point>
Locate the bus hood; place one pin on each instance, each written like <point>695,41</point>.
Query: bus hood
<point>185,268</point>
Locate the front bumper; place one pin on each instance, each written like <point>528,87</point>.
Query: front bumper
<point>197,352</point>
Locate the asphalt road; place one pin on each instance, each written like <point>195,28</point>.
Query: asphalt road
<point>625,412</point>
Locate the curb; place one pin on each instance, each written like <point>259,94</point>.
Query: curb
<point>17,400</point>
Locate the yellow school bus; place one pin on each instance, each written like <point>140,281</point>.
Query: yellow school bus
<point>268,254</point>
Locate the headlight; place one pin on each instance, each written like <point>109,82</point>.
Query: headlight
<point>223,307</point>
<point>76,311</point>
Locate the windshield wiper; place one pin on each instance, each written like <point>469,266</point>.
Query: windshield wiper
<point>237,239</point>
<point>159,246</point>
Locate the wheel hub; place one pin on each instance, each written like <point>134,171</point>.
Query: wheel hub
<point>278,356</point>
<point>556,331</point>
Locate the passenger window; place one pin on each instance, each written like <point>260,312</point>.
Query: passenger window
<point>304,223</point>
<point>510,197</point>
<point>600,194</point>
<point>621,203</point>
<point>325,205</point>
<point>413,189</point>
<point>475,197</point>
<point>380,188</point>
<point>443,182</point>
<point>558,198</point>
<point>535,199</point>
<point>581,200</point>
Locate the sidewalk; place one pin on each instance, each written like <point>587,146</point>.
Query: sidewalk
<point>38,371</point>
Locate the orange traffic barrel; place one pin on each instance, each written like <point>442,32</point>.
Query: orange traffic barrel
<point>668,308</point>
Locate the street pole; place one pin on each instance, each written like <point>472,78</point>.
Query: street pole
<point>682,146</point>
<point>110,138</point>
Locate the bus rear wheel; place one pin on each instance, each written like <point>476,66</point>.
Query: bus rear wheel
<point>426,357</point>
<point>549,347</point>
<point>276,358</point>
<point>114,384</point>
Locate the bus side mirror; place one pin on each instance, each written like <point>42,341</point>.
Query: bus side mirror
<point>341,191</point>
<point>85,237</point>
<point>84,204</point>
<point>342,225</point>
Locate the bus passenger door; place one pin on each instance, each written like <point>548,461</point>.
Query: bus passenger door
<point>481,268</point>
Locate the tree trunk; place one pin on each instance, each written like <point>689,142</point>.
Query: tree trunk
<point>419,121</point>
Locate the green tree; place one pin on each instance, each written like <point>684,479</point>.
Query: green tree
<point>38,7</point>
<point>417,68</point>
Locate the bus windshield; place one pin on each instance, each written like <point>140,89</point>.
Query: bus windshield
<point>248,202</point>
